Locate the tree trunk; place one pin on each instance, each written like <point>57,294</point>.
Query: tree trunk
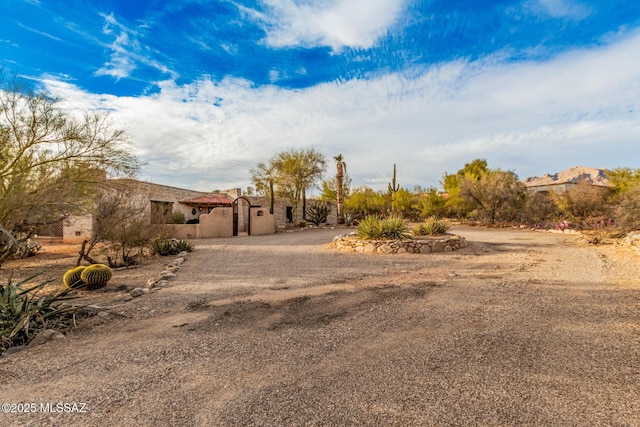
<point>339,208</point>
<point>272,197</point>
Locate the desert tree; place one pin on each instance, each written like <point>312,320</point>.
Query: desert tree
<point>495,195</point>
<point>121,227</point>
<point>296,171</point>
<point>51,158</point>
<point>263,177</point>
<point>457,205</point>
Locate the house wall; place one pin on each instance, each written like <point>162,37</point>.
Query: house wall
<point>562,188</point>
<point>181,231</point>
<point>76,229</point>
<point>218,223</point>
<point>262,222</point>
<point>146,192</point>
<point>280,209</point>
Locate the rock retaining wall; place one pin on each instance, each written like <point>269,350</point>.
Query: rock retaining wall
<point>352,243</point>
<point>632,241</point>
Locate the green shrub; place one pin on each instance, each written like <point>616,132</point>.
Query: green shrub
<point>370,227</point>
<point>392,227</point>
<point>431,226</point>
<point>25,312</point>
<point>164,246</point>
<point>96,276</point>
<point>177,217</point>
<point>318,212</point>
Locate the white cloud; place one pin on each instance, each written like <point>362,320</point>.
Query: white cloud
<point>580,108</point>
<point>564,9</point>
<point>334,23</point>
<point>126,51</point>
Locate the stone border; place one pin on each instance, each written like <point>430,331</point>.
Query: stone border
<point>352,243</point>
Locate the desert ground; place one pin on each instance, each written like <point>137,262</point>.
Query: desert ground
<point>521,328</point>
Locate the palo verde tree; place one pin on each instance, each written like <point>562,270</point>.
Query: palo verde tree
<point>495,195</point>
<point>50,160</point>
<point>264,178</point>
<point>456,205</point>
<point>289,174</point>
<point>297,171</point>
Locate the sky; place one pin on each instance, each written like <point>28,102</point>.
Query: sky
<point>207,89</point>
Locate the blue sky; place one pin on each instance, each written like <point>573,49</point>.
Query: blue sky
<point>207,89</point>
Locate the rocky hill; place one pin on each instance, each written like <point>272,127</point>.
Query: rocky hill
<point>575,174</point>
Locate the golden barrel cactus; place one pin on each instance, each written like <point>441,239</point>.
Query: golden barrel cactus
<point>96,276</point>
<point>71,278</point>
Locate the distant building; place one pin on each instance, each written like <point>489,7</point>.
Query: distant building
<point>562,181</point>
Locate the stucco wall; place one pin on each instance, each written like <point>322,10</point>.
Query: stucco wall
<point>280,209</point>
<point>77,228</point>
<point>262,222</point>
<point>218,223</point>
<point>181,231</point>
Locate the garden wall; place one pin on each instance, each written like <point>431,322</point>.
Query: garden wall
<point>429,245</point>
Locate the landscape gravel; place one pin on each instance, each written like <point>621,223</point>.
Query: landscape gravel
<point>521,328</point>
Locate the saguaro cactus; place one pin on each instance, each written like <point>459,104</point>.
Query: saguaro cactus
<point>393,188</point>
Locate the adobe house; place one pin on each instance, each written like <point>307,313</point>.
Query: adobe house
<point>208,214</point>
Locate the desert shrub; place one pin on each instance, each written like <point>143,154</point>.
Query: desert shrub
<point>318,212</point>
<point>392,227</point>
<point>348,219</point>
<point>26,311</point>
<point>431,226</point>
<point>165,246</point>
<point>177,217</point>
<point>583,203</point>
<point>18,244</point>
<point>627,212</point>
<point>364,201</point>
<point>539,208</point>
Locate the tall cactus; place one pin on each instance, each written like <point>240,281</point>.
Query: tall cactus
<point>393,188</point>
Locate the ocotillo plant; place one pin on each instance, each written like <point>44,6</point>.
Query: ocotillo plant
<point>393,188</point>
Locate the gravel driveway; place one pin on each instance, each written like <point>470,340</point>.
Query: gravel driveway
<point>521,328</point>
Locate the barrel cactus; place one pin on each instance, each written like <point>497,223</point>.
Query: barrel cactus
<point>72,278</point>
<point>96,276</point>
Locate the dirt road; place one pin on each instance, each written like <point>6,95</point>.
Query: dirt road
<point>521,328</point>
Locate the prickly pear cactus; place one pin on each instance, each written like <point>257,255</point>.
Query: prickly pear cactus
<point>72,277</point>
<point>96,276</point>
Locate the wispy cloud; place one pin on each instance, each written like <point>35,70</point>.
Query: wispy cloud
<point>565,9</point>
<point>534,117</point>
<point>127,52</point>
<point>334,23</point>
<point>42,33</point>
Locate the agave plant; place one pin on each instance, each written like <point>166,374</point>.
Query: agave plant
<point>25,311</point>
<point>394,227</point>
<point>370,227</point>
<point>431,226</point>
